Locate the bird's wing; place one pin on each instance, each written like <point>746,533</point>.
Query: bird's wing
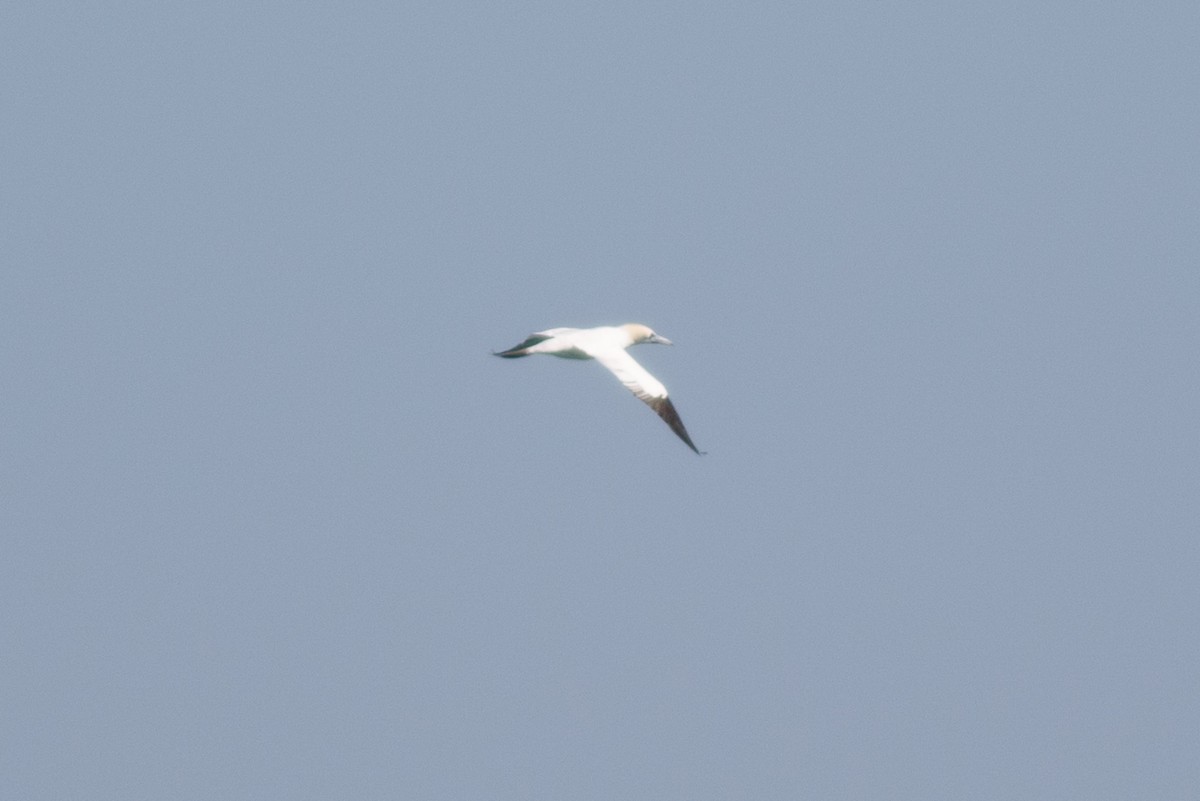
<point>516,351</point>
<point>646,387</point>
<point>536,338</point>
<point>635,377</point>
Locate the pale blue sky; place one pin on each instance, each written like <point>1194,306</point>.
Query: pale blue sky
<point>276,525</point>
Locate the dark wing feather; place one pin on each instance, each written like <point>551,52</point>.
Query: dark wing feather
<point>666,410</point>
<point>516,351</point>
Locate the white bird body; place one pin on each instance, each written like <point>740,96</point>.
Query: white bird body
<point>607,345</point>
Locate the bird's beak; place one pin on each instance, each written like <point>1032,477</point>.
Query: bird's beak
<point>657,340</point>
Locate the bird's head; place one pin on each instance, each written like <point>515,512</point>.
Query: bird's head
<point>641,333</point>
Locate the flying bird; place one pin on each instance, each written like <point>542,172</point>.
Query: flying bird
<point>607,345</point>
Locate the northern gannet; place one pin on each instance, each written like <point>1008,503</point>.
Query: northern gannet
<point>607,345</point>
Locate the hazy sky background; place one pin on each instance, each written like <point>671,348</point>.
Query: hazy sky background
<point>277,526</point>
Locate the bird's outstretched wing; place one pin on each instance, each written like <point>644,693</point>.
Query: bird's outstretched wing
<point>536,338</point>
<point>646,387</point>
<point>517,351</point>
